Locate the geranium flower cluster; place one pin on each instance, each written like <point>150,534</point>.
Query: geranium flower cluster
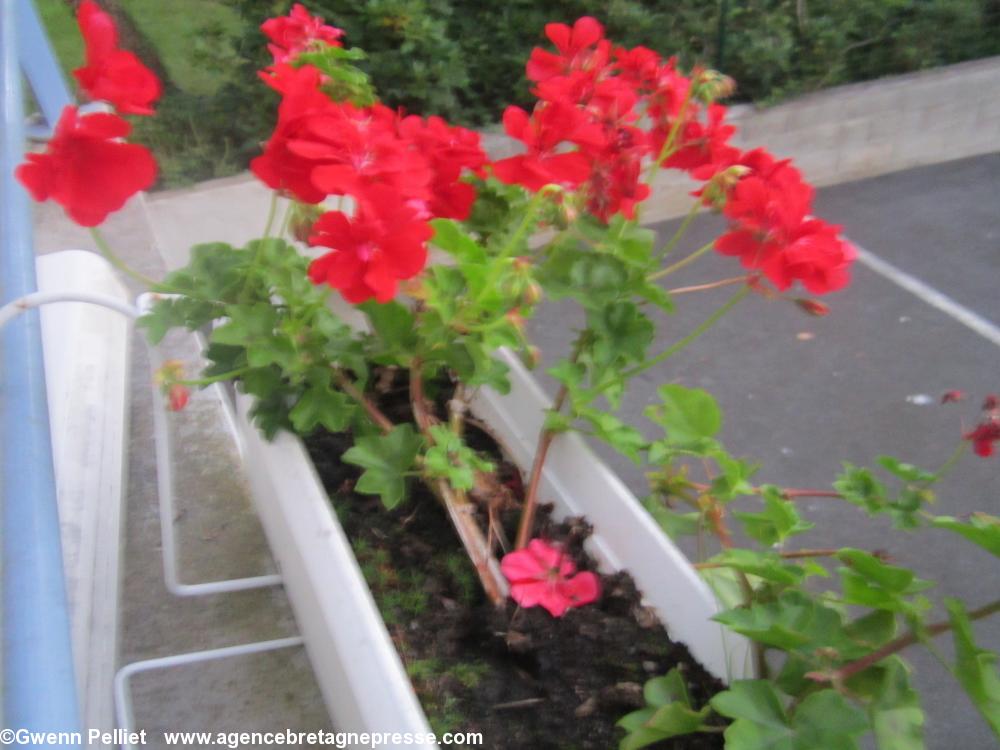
<point>605,111</point>
<point>87,169</point>
<point>987,432</point>
<point>400,171</point>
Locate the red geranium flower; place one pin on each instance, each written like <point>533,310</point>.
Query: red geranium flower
<point>374,251</point>
<point>86,169</point>
<point>984,436</point>
<point>297,32</point>
<point>543,133</point>
<point>542,575</point>
<point>114,75</point>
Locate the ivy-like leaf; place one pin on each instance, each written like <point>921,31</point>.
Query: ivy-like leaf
<point>450,237</point>
<point>451,459</point>
<point>975,668</point>
<point>982,530</point>
<point>386,459</point>
<point>687,414</point>
<point>895,711</point>
<point>393,324</point>
<point>760,721</point>
<point>906,472</point>
<point>320,405</point>
<point>824,719</point>
<point>623,437</point>
<point>870,582</point>
<point>779,520</point>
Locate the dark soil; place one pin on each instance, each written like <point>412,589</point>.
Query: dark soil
<point>524,679</point>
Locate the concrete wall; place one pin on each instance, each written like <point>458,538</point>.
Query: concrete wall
<point>867,129</point>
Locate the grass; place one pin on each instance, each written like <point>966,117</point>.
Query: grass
<point>57,17</point>
<point>189,36</point>
<point>191,49</point>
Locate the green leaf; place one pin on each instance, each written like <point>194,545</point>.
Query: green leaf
<point>393,324</point>
<point>675,524</point>
<point>870,582</point>
<point>760,721</point>
<point>687,414</point>
<point>829,721</point>
<point>982,530</point>
<point>671,687</point>
<point>906,472</point>
<point>895,712</point>
<point>621,436</point>
<point>676,719</point>
<point>975,668</point>
<point>639,735</point>
<point>825,720</point>
<point>779,520</point>
<point>176,312</point>
<point>622,334</point>
<point>792,622</point>
<point>451,459</point>
<point>448,236</point>
<point>320,405</point>
<point>859,487</point>
<point>386,460</point>
<point>766,565</point>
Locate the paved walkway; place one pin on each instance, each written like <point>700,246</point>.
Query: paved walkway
<point>802,394</point>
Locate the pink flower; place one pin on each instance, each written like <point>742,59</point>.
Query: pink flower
<point>541,574</point>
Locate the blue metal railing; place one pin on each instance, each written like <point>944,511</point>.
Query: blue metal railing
<point>39,687</point>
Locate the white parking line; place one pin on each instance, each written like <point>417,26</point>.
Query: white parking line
<point>931,296</point>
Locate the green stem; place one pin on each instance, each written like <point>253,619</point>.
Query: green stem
<point>117,262</point>
<point>216,378</point>
<point>515,239</point>
<point>948,465</point>
<point>282,233</point>
<point>710,321</point>
<point>681,230</point>
<point>682,262</point>
<point>271,211</point>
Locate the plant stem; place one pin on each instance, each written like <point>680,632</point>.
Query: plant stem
<point>859,665</point>
<point>526,524</point>
<point>374,413</point>
<point>792,494</point>
<point>216,378</point>
<point>682,262</point>
<point>948,465</point>
<point>496,267</point>
<point>117,262</point>
<point>681,230</point>
<point>794,554</point>
<point>678,346</point>
<point>271,211</point>
<point>460,510</point>
<point>706,287</point>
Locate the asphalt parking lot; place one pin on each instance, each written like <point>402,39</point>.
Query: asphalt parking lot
<point>802,394</point>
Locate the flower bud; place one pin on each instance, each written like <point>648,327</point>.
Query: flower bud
<point>710,85</point>
<point>170,371</point>
<point>532,294</point>
<point>177,397</point>
<point>813,307</point>
<point>531,357</point>
<point>951,397</point>
<point>301,220</point>
<point>716,191</point>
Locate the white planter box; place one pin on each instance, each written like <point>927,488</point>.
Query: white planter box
<point>363,681</point>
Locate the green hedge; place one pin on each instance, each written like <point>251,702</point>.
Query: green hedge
<point>465,61</point>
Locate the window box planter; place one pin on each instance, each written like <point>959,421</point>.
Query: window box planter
<point>359,672</point>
